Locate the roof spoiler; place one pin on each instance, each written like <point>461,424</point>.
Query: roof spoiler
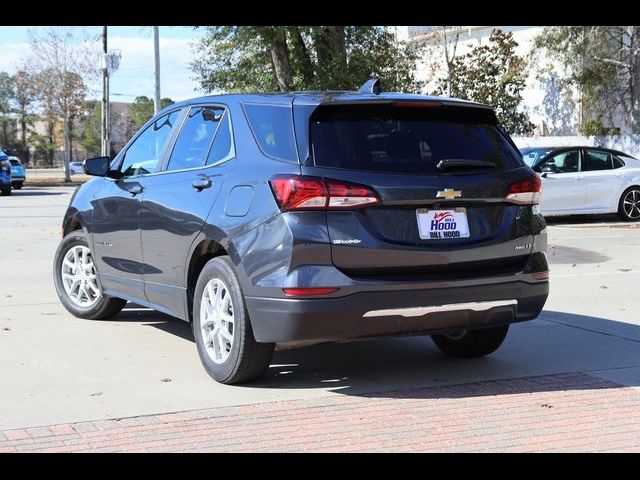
<point>372,85</point>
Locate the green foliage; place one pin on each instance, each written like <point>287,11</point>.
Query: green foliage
<point>284,58</point>
<point>141,109</point>
<point>92,135</point>
<point>8,140</point>
<point>602,64</point>
<point>494,75</point>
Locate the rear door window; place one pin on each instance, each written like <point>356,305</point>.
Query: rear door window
<point>597,160</point>
<point>408,140</point>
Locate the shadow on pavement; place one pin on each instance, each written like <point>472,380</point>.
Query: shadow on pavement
<point>592,220</point>
<point>555,343</point>
<point>31,192</point>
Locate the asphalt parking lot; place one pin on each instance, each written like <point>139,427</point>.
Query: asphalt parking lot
<point>56,369</point>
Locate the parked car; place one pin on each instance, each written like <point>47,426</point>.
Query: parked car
<point>5,174</point>
<point>292,218</point>
<point>587,180</point>
<point>76,167</point>
<point>18,173</point>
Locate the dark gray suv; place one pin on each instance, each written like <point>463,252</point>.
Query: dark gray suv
<point>303,217</point>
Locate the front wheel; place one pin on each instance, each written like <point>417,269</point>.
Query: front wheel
<point>222,329</point>
<point>629,206</point>
<point>5,192</point>
<point>17,185</point>
<point>471,343</point>
<point>76,280</point>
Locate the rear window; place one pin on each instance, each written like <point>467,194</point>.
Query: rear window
<point>406,140</point>
<point>272,126</point>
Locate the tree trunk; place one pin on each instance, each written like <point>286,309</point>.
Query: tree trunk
<point>26,155</point>
<point>337,41</point>
<point>321,44</point>
<point>67,149</point>
<point>302,54</point>
<point>281,63</point>
<point>50,128</point>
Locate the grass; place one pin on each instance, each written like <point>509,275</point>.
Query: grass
<point>55,181</point>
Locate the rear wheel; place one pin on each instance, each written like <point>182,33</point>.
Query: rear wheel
<point>76,280</point>
<point>17,185</point>
<point>629,206</point>
<point>222,329</point>
<point>471,343</point>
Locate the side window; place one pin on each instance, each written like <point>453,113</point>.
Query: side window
<point>143,155</point>
<point>597,160</point>
<point>617,163</point>
<point>565,162</point>
<point>195,138</point>
<point>222,148</point>
<point>272,126</point>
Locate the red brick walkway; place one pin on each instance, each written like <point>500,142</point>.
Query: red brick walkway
<point>571,412</point>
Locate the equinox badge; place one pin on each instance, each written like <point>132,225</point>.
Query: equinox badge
<point>449,193</point>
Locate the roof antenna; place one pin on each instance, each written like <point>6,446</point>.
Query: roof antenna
<point>371,86</point>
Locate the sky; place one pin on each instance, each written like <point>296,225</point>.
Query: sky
<point>134,77</point>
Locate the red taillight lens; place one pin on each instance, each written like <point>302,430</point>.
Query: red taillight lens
<point>309,291</point>
<point>297,192</point>
<point>526,192</point>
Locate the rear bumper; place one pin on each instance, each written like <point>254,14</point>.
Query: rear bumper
<point>373,313</point>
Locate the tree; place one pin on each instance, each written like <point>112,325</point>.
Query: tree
<point>284,58</point>
<point>24,99</point>
<point>141,109</point>
<point>60,62</point>
<point>7,124</point>
<point>602,64</point>
<point>492,74</point>
<point>92,134</point>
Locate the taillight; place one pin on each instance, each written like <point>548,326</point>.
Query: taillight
<point>297,192</point>
<point>526,192</point>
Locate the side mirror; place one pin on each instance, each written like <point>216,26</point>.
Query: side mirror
<point>99,167</point>
<point>549,168</point>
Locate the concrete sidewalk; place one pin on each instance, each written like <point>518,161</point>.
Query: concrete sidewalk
<point>570,412</point>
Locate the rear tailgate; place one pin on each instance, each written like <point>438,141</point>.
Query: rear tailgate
<point>395,150</point>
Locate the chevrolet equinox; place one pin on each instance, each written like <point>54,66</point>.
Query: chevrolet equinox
<point>302,217</point>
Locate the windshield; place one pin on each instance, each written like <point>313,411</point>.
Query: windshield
<point>532,155</point>
<point>406,140</point>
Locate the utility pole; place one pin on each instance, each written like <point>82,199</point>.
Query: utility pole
<point>156,68</point>
<point>105,150</point>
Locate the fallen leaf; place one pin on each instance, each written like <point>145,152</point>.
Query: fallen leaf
<point>546,405</point>
<point>603,286</point>
<point>97,394</point>
<point>6,329</point>
<point>165,380</point>
<point>573,265</point>
<point>624,269</point>
<point>48,313</point>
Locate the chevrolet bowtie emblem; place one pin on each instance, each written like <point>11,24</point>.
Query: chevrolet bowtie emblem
<point>449,193</point>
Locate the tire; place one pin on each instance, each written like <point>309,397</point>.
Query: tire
<point>629,205</point>
<point>98,306</point>
<point>17,185</point>
<point>471,343</point>
<point>236,358</point>
<point>6,192</point>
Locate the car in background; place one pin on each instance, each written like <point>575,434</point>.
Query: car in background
<point>586,180</point>
<point>18,173</point>
<point>76,167</point>
<point>5,174</point>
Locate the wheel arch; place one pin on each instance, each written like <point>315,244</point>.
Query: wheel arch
<point>204,251</point>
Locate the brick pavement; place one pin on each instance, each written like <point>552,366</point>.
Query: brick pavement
<point>568,412</point>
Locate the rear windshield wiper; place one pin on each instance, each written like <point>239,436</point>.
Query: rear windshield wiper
<point>463,163</point>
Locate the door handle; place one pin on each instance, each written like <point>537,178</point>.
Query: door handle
<point>201,183</point>
<point>134,188</point>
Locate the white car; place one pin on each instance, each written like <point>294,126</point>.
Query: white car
<point>586,180</point>
<point>76,167</point>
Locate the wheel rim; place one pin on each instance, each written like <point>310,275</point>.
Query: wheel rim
<point>217,320</point>
<point>79,277</point>
<point>631,204</point>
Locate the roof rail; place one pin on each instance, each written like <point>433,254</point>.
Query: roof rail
<point>372,85</point>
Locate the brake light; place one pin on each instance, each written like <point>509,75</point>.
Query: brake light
<point>309,291</point>
<point>298,192</point>
<point>526,192</point>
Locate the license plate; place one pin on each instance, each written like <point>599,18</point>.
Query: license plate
<point>442,224</point>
